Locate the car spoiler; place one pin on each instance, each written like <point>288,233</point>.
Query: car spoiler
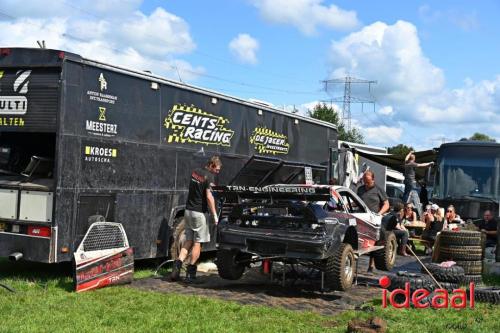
<point>274,192</point>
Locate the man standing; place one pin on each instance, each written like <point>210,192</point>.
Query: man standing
<point>409,172</point>
<point>375,198</point>
<point>488,226</point>
<point>199,202</point>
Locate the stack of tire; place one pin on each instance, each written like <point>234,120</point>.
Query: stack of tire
<point>463,247</point>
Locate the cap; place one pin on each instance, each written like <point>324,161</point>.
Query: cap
<point>434,207</point>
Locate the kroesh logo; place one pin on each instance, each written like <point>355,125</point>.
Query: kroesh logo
<point>100,154</point>
<point>15,103</point>
<point>423,298</point>
<point>192,125</point>
<point>267,141</point>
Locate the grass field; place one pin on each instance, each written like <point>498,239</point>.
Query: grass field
<point>44,302</point>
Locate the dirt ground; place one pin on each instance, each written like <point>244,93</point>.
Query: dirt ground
<point>302,294</point>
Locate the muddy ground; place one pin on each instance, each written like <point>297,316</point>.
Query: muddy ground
<point>299,293</point>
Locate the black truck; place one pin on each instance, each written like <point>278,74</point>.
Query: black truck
<point>82,141</point>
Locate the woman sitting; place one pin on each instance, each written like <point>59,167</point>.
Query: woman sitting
<point>434,222</point>
<point>409,216</point>
<point>399,230</point>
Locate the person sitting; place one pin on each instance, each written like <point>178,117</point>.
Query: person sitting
<point>451,218</point>
<point>434,223</point>
<point>488,226</point>
<point>409,216</point>
<point>399,230</point>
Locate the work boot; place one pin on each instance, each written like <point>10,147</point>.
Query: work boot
<point>191,273</point>
<point>176,270</point>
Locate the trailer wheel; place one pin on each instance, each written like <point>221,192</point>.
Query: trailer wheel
<point>386,258</point>
<point>178,238</point>
<point>227,266</point>
<point>341,268</point>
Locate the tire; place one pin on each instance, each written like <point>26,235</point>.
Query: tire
<point>340,268</point>
<point>453,274</point>
<point>477,279</point>
<point>449,286</point>
<point>178,238</point>
<point>416,280</point>
<point>386,258</point>
<point>227,266</point>
<point>460,238</point>
<point>472,253</point>
<point>471,267</point>
<point>488,295</point>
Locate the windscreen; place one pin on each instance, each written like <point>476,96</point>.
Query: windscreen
<point>469,171</point>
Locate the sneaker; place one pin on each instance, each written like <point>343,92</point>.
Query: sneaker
<point>176,270</point>
<point>191,273</point>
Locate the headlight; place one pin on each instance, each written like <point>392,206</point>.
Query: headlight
<point>255,223</point>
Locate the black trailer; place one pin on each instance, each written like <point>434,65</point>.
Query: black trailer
<point>81,139</point>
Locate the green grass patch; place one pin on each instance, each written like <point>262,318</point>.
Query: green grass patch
<point>44,302</point>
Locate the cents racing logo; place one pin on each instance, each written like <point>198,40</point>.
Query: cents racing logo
<point>15,104</point>
<point>267,141</point>
<point>189,124</point>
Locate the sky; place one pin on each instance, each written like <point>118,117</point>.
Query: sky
<point>434,63</point>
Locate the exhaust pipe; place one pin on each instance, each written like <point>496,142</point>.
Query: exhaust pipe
<point>16,256</point>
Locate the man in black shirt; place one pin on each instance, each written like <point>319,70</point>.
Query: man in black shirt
<point>199,202</point>
<point>375,198</point>
<point>488,225</point>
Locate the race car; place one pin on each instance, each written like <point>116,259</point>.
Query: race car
<point>319,226</point>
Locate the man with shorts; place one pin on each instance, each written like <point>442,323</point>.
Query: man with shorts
<point>199,202</point>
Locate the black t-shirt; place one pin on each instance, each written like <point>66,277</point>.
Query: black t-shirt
<point>491,225</point>
<point>410,172</point>
<point>374,197</point>
<point>200,182</point>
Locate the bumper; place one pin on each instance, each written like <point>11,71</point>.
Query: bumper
<point>33,248</point>
<point>275,243</point>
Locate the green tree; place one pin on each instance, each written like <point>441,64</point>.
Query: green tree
<point>400,150</point>
<point>327,113</point>
<point>481,137</point>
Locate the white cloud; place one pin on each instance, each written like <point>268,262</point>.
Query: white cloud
<point>127,37</point>
<point>306,15</point>
<point>244,47</point>
<point>390,54</point>
<point>386,110</point>
<point>382,135</point>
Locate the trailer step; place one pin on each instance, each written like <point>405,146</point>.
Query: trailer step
<point>359,253</point>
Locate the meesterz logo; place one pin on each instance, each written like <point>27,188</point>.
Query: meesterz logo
<point>422,298</point>
<point>15,104</point>
<point>189,124</point>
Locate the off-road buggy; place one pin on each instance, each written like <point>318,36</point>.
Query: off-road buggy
<point>322,227</point>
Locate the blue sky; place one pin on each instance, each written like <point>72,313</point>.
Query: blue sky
<point>435,62</point>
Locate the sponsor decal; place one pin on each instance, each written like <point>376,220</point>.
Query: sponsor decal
<point>15,104</point>
<point>271,189</point>
<point>421,298</point>
<point>101,128</point>
<point>267,141</point>
<point>99,96</point>
<point>189,124</point>
<point>100,154</point>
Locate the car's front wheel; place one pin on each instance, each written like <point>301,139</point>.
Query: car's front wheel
<point>340,268</point>
<point>386,257</point>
